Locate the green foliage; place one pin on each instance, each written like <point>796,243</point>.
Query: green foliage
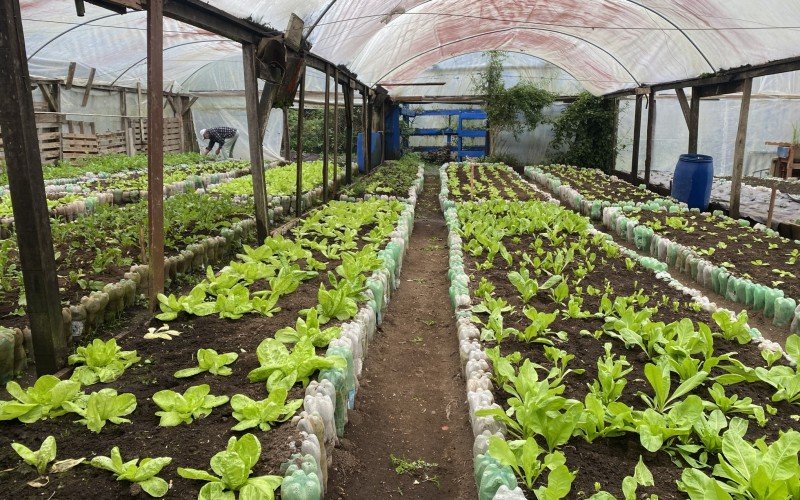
<point>49,397</point>
<point>523,457</point>
<point>144,472</point>
<point>101,362</point>
<point>104,406</point>
<point>584,133</point>
<point>261,414</point>
<point>282,368</point>
<point>308,328</point>
<point>39,458</point>
<point>195,403</point>
<point>233,468</point>
<point>208,360</point>
<point>504,107</point>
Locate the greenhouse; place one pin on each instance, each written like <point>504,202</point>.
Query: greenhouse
<point>368,249</point>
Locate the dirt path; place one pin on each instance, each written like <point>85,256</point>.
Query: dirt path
<point>412,398</point>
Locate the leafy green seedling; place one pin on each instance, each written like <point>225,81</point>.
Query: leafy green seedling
<point>101,362</point>
<point>208,360</point>
<point>142,472</point>
<point>39,458</point>
<point>47,398</point>
<point>163,332</point>
<point>261,414</point>
<point>104,406</point>
<point>195,403</point>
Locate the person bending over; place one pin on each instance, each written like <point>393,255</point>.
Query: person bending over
<point>221,136</point>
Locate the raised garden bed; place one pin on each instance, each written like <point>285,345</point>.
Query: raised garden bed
<point>601,295</point>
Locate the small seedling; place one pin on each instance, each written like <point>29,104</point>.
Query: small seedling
<point>418,468</point>
<point>164,332</point>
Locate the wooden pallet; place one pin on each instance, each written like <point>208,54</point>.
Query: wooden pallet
<point>78,145</point>
<point>111,142</point>
<point>172,135</point>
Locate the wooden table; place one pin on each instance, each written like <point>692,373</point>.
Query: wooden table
<point>785,167</point>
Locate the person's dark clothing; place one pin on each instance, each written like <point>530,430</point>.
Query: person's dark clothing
<point>218,135</point>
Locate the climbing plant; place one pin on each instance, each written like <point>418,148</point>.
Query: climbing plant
<point>584,133</point>
<point>514,109</point>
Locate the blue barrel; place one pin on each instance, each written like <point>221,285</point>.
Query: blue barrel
<point>692,181</point>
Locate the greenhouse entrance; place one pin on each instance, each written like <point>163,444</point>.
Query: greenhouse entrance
<point>425,249</point>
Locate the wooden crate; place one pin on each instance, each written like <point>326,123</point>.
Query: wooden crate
<point>172,135</point>
<point>49,144</point>
<point>76,145</point>
<point>111,142</point>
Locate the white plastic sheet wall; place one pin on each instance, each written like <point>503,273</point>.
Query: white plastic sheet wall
<point>773,114</point>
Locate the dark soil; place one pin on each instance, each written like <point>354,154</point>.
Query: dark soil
<point>748,252</point>
<point>190,445</point>
<point>500,178</point>
<point>411,403</point>
<point>608,461</point>
<point>595,185</point>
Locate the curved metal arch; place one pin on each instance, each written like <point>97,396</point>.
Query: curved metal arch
<point>503,30</point>
<point>313,26</point>
<point>665,18</point>
<point>68,30</point>
<point>201,68</point>
<point>140,61</point>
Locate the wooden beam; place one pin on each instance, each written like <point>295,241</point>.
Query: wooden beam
<point>348,134</point>
<point>335,128</point>
<point>719,89</point>
<point>637,136</point>
<point>301,108</point>
<point>139,111</point>
<point>155,147</point>
<point>254,132</point>
<point>172,105</point>
<point>365,138</point>
<point>189,105</point>
<point>70,74</point>
<point>651,132</point>
<point>614,138</point>
<point>28,199</point>
<point>265,108</point>
<point>287,150</point>
<point>687,110</point>
<point>88,89</point>
<point>48,97</point>
<point>325,142</point>
<point>738,155</point>
<point>694,122</point>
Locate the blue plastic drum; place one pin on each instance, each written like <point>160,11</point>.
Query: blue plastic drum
<point>691,184</point>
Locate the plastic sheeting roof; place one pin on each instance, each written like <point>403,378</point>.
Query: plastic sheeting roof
<point>607,45</point>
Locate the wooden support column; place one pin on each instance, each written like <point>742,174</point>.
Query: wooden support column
<point>300,110</point>
<point>738,155</point>
<point>694,121</point>
<point>651,132</point>
<point>155,146</point>
<point>70,74</point>
<point>637,136</point>
<point>29,202</point>
<point>348,133</point>
<point>325,142</point>
<point>615,136</point>
<point>365,139</point>
<point>335,129</point>
<point>287,150</point>
<point>139,111</point>
<point>88,89</point>
<point>254,132</point>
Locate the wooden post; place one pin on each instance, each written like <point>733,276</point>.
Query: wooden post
<point>637,136</point>
<point>139,111</point>
<point>325,124</point>
<point>651,132</point>
<point>88,89</point>
<point>365,139</point>
<point>694,121</point>
<point>254,133</point>
<point>300,110</point>
<point>771,209</point>
<point>738,155</point>
<point>29,202</point>
<point>348,133</point>
<point>614,137</point>
<point>287,150</point>
<point>335,129</point>
<point>70,74</point>
<point>155,146</point>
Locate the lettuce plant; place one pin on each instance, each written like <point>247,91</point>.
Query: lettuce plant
<point>104,406</point>
<point>749,470</point>
<point>101,362</point>
<point>611,372</point>
<point>251,413</point>
<point>641,477</point>
<point>233,468</point>
<point>523,457</point>
<point>195,403</point>
<point>39,458</point>
<point>733,404</point>
<point>47,398</point>
<point>784,379</point>
<point>310,328</point>
<point>659,378</point>
<point>335,303</point>
<point>142,472</point>
<point>282,368</point>
<point>208,360</point>
<point>732,328</point>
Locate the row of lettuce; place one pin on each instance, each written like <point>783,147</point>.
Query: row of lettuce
<point>753,266</point>
<point>575,348</point>
<point>350,251</point>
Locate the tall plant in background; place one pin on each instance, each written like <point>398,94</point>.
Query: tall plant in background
<point>513,110</point>
<point>584,133</point>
